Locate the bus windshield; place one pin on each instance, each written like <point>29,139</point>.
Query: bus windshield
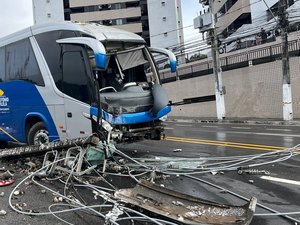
<point>124,67</point>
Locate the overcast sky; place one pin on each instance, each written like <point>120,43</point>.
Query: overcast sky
<point>17,14</point>
<point>190,10</point>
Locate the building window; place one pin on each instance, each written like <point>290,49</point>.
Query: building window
<point>164,18</point>
<point>118,6</point>
<point>119,21</point>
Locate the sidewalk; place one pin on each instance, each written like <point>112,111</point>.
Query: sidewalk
<point>268,121</point>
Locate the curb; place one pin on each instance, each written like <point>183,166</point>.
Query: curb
<point>236,121</point>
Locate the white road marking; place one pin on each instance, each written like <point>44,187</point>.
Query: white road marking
<point>266,134</point>
<point>208,126</point>
<point>274,129</point>
<point>245,128</point>
<point>183,125</point>
<point>281,180</point>
<point>169,128</point>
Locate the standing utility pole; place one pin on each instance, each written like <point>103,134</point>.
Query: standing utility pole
<point>286,78</point>
<point>219,92</point>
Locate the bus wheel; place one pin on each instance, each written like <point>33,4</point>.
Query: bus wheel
<point>38,134</point>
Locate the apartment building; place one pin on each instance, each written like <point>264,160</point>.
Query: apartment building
<point>152,19</point>
<point>231,15</point>
<point>245,18</point>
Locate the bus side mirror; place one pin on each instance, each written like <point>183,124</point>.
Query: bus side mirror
<point>97,47</point>
<point>171,56</point>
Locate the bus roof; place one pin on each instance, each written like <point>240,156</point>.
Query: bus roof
<point>100,32</point>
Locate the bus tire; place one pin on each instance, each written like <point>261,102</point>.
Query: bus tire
<point>38,134</point>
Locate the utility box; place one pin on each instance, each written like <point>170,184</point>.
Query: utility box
<point>198,22</point>
<point>207,19</point>
<point>203,22</point>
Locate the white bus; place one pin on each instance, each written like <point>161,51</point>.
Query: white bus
<point>56,77</point>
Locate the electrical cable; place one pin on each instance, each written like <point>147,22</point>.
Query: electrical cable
<point>72,210</point>
<point>145,220</point>
<point>213,163</point>
<point>72,171</point>
<point>32,176</point>
<point>9,135</point>
<point>126,156</point>
<point>141,214</point>
<point>238,163</point>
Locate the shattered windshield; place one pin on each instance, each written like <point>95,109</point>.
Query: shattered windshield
<point>131,59</point>
<point>124,67</point>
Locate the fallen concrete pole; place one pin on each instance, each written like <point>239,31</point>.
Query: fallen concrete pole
<point>59,145</point>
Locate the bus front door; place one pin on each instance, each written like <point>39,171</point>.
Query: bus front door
<point>77,89</point>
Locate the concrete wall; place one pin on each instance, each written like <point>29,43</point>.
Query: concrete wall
<point>251,92</point>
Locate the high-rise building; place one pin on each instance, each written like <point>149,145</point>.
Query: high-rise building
<point>245,23</point>
<point>245,18</point>
<point>165,22</point>
<point>231,14</point>
<point>47,11</point>
<point>159,22</point>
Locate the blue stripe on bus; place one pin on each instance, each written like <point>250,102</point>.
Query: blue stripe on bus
<point>24,101</point>
<point>132,118</point>
<point>173,65</point>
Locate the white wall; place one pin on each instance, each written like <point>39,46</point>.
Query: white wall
<point>48,11</point>
<point>165,33</point>
<point>259,10</point>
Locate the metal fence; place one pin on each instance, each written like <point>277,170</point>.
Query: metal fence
<point>243,59</point>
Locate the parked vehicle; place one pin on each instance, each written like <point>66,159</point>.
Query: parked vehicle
<point>55,79</point>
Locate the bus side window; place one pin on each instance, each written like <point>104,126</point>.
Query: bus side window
<point>21,63</point>
<point>2,64</point>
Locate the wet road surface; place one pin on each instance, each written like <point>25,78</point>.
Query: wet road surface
<point>279,190</point>
<point>197,144</point>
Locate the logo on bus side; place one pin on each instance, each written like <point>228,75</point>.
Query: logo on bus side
<point>3,99</point>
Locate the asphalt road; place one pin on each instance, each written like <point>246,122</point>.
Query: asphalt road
<point>197,141</point>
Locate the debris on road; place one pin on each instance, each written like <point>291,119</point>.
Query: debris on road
<point>95,176</point>
<point>184,208</point>
<point>253,171</point>
<point>2,212</point>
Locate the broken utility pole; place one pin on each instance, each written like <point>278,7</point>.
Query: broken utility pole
<point>43,148</point>
<point>286,79</point>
